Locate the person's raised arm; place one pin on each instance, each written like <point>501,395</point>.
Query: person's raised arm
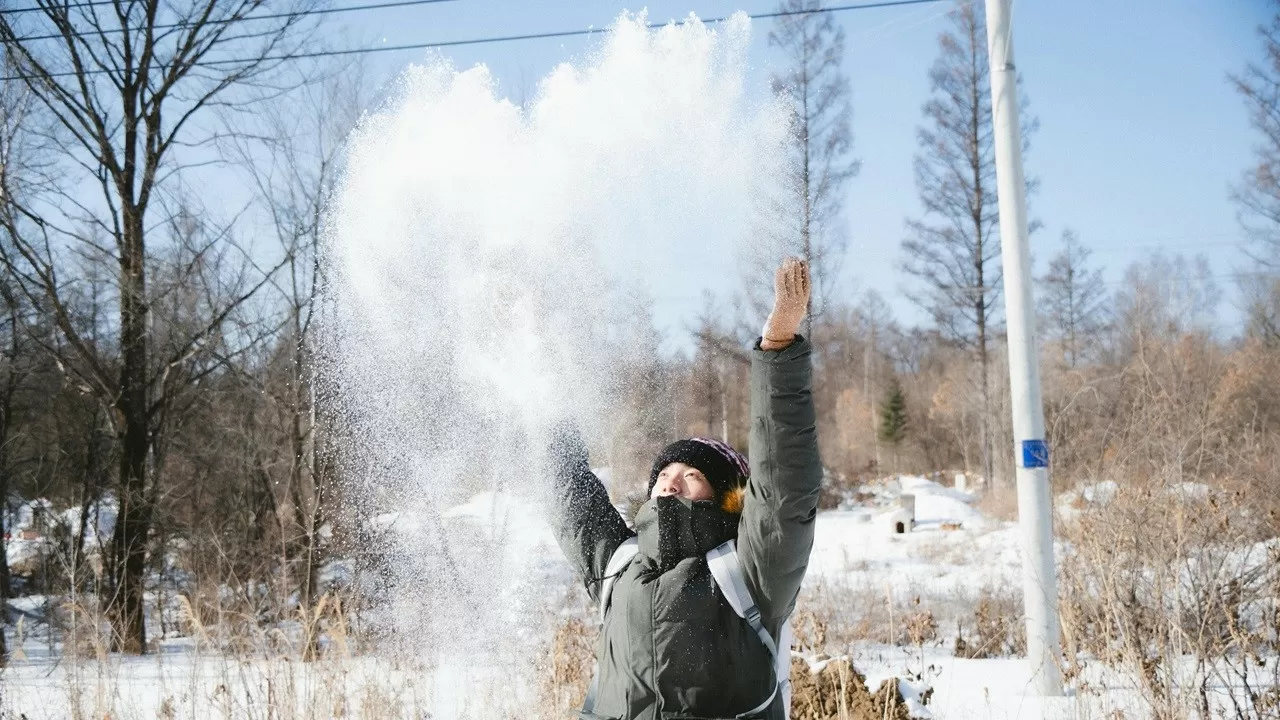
<point>776,531</point>
<point>587,526</point>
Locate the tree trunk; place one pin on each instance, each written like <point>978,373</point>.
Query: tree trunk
<point>721,373</point>
<point>303,501</point>
<point>306,498</point>
<point>711,399</point>
<point>129,541</point>
<point>868,354</point>
<point>4,569</point>
<point>6,428</point>
<point>1071,318</point>
<point>89,495</point>
<point>984,425</point>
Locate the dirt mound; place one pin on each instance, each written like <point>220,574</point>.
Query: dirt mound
<point>839,692</point>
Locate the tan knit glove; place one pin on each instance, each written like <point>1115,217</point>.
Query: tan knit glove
<point>790,303</point>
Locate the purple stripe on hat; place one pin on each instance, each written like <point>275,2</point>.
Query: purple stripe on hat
<point>725,449</point>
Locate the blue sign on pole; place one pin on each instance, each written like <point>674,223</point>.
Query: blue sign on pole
<point>1033,454</point>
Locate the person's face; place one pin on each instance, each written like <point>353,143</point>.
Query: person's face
<point>683,480</point>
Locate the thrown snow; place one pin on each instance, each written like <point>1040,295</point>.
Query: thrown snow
<point>521,531</point>
<point>451,343</point>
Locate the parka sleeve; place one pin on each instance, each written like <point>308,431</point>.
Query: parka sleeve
<point>775,533</point>
<point>587,526</point>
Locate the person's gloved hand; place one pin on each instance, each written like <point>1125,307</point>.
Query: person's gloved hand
<point>790,303</point>
<point>568,450</point>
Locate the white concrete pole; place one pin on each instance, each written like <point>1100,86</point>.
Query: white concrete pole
<point>1035,503</point>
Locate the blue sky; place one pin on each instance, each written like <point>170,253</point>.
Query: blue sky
<point>1141,134</point>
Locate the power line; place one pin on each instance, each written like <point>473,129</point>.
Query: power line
<point>816,11</point>
<point>19,11</point>
<point>1122,282</point>
<point>1180,236</point>
<point>514,38</point>
<point>1169,246</point>
<point>249,18</point>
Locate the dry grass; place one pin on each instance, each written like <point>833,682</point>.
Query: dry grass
<point>999,503</point>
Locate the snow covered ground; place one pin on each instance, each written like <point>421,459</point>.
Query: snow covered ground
<point>951,546</point>
<point>951,551</point>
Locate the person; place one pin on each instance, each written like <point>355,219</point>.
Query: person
<point>672,645</point>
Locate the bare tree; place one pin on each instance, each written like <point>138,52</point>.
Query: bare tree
<point>1258,192</point>
<point>14,111</point>
<point>129,85</point>
<point>1261,291</point>
<point>708,384</point>
<point>954,251</point>
<point>16,368</point>
<point>878,317</point>
<point>1073,297</point>
<point>292,155</point>
<point>1162,299</point>
<point>818,91</point>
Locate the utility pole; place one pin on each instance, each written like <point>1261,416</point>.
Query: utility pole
<point>1035,503</point>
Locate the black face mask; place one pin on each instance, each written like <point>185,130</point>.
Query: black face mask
<point>673,528</point>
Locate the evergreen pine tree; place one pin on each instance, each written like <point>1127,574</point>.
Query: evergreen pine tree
<point>893,416</point>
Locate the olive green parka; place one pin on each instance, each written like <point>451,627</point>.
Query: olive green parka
<point>671,647</point>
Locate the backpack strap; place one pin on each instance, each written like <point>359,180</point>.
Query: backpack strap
<point>782,666</point>
<point>618,562</point>
<point>727,571</point>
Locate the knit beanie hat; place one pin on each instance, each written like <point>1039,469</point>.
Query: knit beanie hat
<point>725,468</point>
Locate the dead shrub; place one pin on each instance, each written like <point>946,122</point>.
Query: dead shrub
<point>809,630</point>
<point>1166,583</point>
<point>837,691</point>
<point>998,629</point>
<point>1166,580</point>
<point>84,627</point>
<point>830,495</point>
<point>830,617</point>
<point>920,627</point>
<point>567,667</point>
